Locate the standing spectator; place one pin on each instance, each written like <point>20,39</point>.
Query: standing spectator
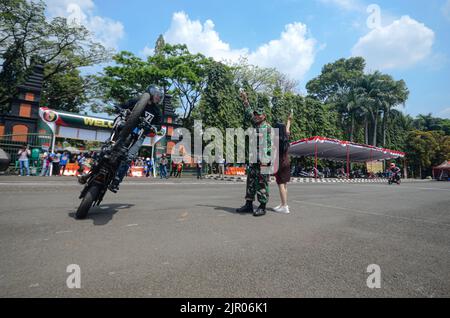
<point>199,168</point>
<point>174,167</point>
<point>179,169</point>
<point>327,172</point>
<point>56,158</point>
<point>45,164</point>
<point>80,161</point>
<point>163,167</point>
<point>221,168</point>
<point>63,162</point>
<point>149,165</point>
<point>283,174</point>
<point>24,153</point>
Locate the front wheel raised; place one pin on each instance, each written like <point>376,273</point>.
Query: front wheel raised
<point>86,204</point>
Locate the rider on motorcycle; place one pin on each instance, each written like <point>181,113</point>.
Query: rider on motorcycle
<point>156,99</point>
<point>394,171</point>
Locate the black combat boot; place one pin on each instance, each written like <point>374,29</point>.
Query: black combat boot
<point>260,211</point>
<point>247,208</point>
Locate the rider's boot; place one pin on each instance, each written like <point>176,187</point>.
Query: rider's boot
<point>114,185</point>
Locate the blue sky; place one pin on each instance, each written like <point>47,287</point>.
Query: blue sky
<point>407,39</point>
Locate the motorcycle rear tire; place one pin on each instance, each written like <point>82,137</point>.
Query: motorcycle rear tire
<point>86,204</point>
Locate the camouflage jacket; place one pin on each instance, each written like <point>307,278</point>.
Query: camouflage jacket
<point>262,128</point>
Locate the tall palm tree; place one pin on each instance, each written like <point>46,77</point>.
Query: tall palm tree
<point>369,88</point>
<point>348,101</point>
<point>392,94</point>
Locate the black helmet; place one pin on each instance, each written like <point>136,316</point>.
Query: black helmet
<point>156,94</point>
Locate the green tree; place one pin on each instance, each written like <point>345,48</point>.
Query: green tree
<point>421,148</point>
<point>27,37</point>
<point>430,123</point>
<point>67,91</point>
<point>335,78</point>
<point>394,93</point>
<point>220,105</point>
<point>261,79</point>
<point>173,67</point>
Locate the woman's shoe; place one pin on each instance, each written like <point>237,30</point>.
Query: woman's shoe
<point>277,207</point>
<point>283,209</point>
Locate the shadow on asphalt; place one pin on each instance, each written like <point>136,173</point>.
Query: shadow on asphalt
<point>224,209</point>
<point>103,214</point>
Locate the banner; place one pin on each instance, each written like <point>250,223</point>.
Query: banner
<point>55,118</point>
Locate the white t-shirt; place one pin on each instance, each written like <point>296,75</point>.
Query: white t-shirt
<point>24,154</point>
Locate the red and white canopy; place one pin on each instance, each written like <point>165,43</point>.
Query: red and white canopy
<point>339,150</point>
<point>444,166</point>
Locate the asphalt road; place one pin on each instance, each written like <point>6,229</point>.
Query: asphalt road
<point>183,239</point>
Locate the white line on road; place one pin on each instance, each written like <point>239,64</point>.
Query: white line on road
<point>62,232</point>
<point>408,187</point>
<point>371,213</point>
<point>124,184</point>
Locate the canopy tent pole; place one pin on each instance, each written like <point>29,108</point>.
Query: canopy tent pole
<point>315,159</point>
<point>153,161</point>
<point>405,168</point>
<point>348,161</point>
<point>53,151</point>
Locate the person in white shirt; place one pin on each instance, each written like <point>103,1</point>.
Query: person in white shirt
<point>45,165</point>
<point>199,168</point>
<point>24,153</point>
<point>221,168</point>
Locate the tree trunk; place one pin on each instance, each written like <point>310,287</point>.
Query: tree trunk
<point>366,131</point>
<point>352,128</point>
<point>385,116</point>
<point>375,130</point>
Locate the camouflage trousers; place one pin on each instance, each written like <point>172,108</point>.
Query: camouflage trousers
<point>257,184</point>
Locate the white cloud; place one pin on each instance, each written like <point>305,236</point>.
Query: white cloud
<point>200,38</point>
<point>399,45</point>
<point>445,113</point>
<point>105,30</point>
<point>147,51</point>
<point>293,53</point>
<point>446,9</point>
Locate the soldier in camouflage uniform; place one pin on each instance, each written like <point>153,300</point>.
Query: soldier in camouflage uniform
<point>257,182</point>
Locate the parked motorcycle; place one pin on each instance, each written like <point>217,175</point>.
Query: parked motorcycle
<point>129,127</point>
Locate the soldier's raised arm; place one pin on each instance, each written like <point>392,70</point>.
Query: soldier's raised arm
<point>248,112</point>
<point>244,99</point>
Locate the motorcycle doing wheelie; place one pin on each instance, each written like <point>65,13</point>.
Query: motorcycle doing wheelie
<point>129,127</point>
